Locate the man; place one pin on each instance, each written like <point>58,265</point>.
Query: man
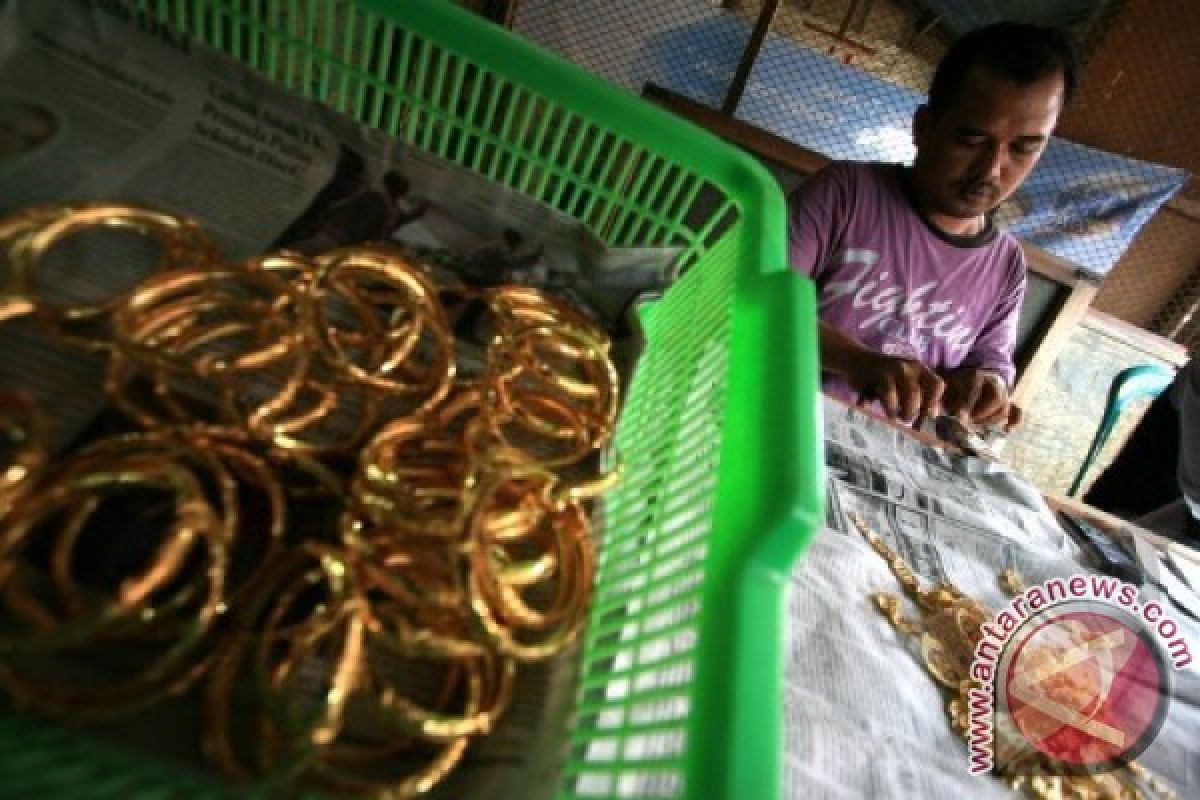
<point>919,293</point>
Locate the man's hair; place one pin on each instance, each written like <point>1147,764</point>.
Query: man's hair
<point>1020,52</point>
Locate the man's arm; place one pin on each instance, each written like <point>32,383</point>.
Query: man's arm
<point>906,389</point>
<point>978,391</point>
<point>817,215</point>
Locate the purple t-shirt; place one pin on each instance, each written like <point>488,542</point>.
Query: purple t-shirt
<point>892,281</point>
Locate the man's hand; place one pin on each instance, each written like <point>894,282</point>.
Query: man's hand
<point>907,390</point>
<point>979,397</point>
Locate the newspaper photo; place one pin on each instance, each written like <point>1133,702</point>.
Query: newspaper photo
<point>864,717</point>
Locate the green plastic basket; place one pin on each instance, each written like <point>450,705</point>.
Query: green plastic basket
<point>681,681</point>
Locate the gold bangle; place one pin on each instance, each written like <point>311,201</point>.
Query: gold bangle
<point>414,478</point>
<point>487,693</point>
<point>415,610</point>
<point>196,522</point>
<point>128,615</point>
<point>417,316</point>
<point>462,545</point>
<point>182,241</point>
<point>507,596</point>
<point>519,307</point>
<point>520,363</point>
<point>15,229</point>
<point>346,411</point>
<point>25,450</point>
<point>506,620</point>
<point>414,785</point>
<point>258,633</point>
<point>179,326</point>
<point>290,265</point>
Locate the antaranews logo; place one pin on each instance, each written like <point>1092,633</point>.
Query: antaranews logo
<point>1077,669</point>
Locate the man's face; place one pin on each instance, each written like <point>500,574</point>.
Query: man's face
<point>975,152</point>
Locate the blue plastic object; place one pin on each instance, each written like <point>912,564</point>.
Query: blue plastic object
<point>1130,385</point>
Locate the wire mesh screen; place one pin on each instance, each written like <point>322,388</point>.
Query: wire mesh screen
<point>1142,96</point>
<point>1179,316</point>
<point>634,43</point>
<point>843,78</point>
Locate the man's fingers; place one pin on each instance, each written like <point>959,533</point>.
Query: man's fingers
<point>908,384</point>
<point>992,405</point>
<point>931,395</point>
<point>966,412</point>
<point>997,417</point>
<point>889,398</point>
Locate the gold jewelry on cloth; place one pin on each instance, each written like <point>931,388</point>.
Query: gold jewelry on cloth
<point>949,628</point>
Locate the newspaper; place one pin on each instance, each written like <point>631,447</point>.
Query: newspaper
<point>864,718</point>
<point>108,113</point>
<point>98,108</point>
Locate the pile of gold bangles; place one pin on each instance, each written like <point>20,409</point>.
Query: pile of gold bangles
<point>341,540</point>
